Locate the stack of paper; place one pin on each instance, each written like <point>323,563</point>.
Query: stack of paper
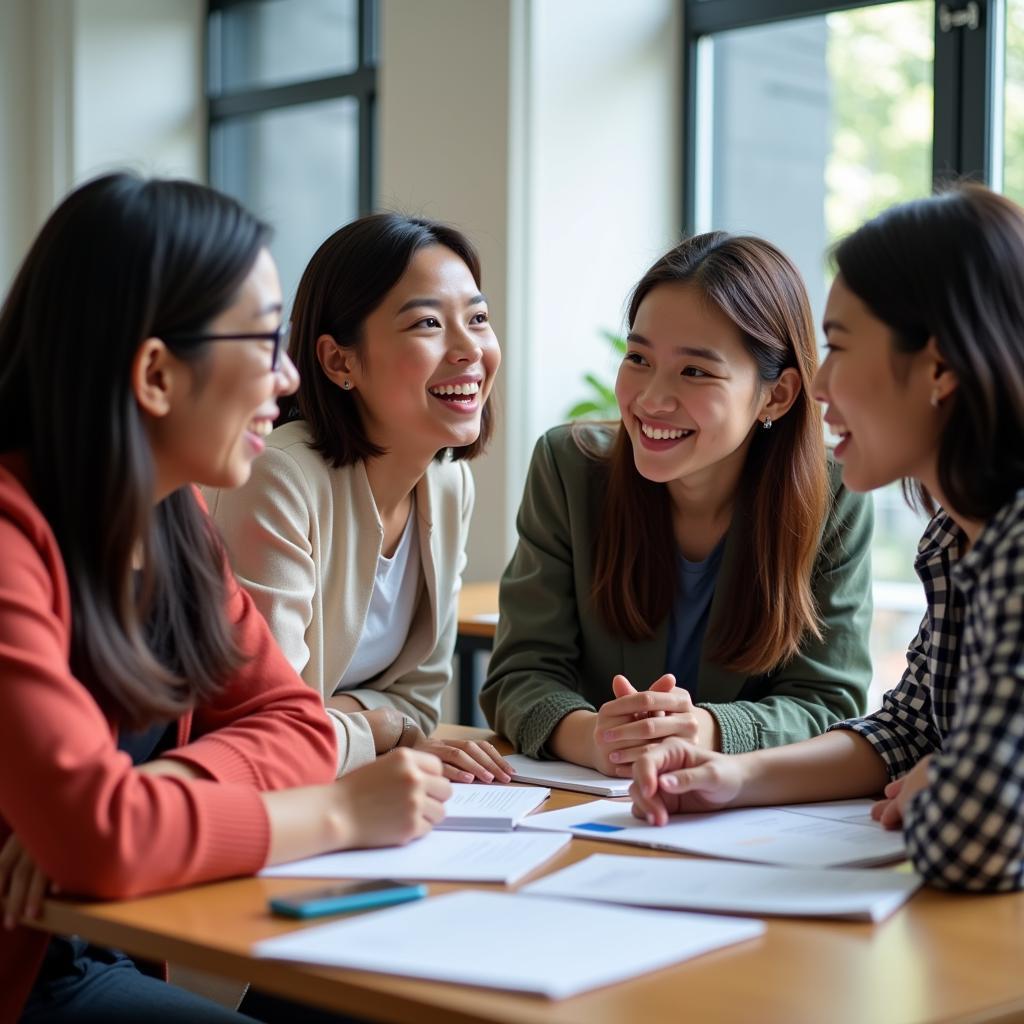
<point>549,947</point>
<point>723,887</point>
<point>564,775</point>
<point>503,857</point>
<point>840,834</point>
<point>493,808</point>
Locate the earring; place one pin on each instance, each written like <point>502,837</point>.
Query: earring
<point>347,385</point>
<point>935,399</point>
<point>767,424</point>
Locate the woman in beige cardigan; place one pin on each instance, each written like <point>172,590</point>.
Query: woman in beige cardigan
<point>351,534</point>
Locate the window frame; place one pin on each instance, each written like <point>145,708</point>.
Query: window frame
<point>967,115</point>
<point>360,84</point>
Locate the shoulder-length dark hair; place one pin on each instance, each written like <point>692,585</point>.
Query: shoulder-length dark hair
<point>783,494</point>
<point>121,260</point>
<point>951,267</point>
<point>345,281</point>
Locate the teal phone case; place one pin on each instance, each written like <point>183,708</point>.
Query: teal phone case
<point>347,901</point>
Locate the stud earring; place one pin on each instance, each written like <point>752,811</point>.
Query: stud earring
<point>767,423</point>
<point>347,385</point>
<point>935,400</point>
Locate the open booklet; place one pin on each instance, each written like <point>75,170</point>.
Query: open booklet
<point>548,947</point>
<point>839,834</point>
<point>725,887</point>
<point>475,807</point>
<point>565,775</point>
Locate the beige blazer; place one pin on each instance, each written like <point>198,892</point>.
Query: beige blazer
<point>304,540</point>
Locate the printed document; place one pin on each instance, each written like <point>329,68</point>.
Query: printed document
<point>856,894</point>
<point>839,834</point>
<point>549,947</point>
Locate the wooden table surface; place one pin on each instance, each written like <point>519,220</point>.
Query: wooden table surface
<point>942,957</point>
<point>476,599</point>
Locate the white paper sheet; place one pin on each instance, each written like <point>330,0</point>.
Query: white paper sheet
<point>503,857</point>
<point>549,947</point>
<point>725,887</point>
<point>491,808</point>
<point>839,834</point>
<point>564,775</point>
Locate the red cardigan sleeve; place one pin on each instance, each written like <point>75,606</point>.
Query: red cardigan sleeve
<point>93,823</point>
<point>266,728</point>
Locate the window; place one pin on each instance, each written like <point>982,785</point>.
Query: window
<point>291,87</point>
<point>803,119</point>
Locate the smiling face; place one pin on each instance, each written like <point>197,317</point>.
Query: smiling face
<point>427,358</point>
<point>688,389</point>
<point>878,401</point>
<point>207,420</point>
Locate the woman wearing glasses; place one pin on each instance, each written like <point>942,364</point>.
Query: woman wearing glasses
<point>924,382</point>
<point>151,727</point>
<point>351,534</point>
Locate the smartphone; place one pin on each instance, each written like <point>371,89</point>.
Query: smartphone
<point>337,899</point>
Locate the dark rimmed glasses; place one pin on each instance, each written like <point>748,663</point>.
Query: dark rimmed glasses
<point>279,337</point>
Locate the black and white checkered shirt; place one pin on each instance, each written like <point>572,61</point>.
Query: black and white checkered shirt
<point>961,700</point>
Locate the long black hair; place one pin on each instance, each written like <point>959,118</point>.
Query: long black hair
<point>951,267</point>
<point>345,281</point>
<point>123,259</point>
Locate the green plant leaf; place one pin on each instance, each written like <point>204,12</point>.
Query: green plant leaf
<point>617,342</point>
<point>602,389</point>
<point>582,410</point>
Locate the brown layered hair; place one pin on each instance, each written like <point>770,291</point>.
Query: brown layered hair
<point>783,491</point>
<point>951,267</point>
<point>345,281</point>
<point>123,259</point>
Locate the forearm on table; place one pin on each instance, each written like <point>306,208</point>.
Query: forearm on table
<point>573,738</point>
<point>838,765</point>
<point>305,822</point>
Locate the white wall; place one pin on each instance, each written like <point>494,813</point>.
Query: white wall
<point>604,182</point>
<point>89,85</point>
<point>550,132</point>
<point>444,101</point>
<point>138,87</point>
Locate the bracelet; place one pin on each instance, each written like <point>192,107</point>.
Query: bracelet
<point>408,730</point>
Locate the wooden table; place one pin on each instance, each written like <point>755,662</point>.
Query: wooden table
<point>478,609</point>
<point>942,957</point>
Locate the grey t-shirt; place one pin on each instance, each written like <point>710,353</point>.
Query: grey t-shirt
<point>695,587</point>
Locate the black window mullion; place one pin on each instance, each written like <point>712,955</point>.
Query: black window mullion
<point>964,100</point>
<point>946,126</point>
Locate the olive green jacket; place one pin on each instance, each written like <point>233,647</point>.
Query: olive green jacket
<point>553,654</point>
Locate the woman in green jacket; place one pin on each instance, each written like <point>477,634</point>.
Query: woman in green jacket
<point>696,570</point>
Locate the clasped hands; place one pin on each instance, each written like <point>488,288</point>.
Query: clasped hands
<point>636,722</point>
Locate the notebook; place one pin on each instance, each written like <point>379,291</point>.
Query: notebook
<point>476,807</point>
<point>564,775</point>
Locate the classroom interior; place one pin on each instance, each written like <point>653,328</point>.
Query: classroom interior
<point>573,141</point>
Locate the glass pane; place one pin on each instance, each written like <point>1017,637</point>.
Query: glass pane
<point>810,126</point>
<point>298,169</point>
<point>1013,103</point>
<point>274,42</point>
<point>805,129</point>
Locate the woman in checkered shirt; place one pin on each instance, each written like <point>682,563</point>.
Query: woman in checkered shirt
<point>924,382</point>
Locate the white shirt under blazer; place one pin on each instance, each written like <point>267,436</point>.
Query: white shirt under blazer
<point>304,540</point>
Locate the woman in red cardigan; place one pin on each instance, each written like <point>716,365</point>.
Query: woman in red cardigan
<point>152,734</point>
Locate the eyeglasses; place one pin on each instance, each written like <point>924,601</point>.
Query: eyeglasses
<point>279,337</point>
